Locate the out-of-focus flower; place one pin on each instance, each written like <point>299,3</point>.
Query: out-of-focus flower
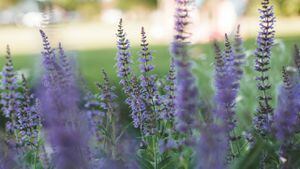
<point>227,76</point>
<point>186,93</point>
<point>64,123</point>
<point>286,112</point>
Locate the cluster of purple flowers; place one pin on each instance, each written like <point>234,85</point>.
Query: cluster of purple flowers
<point>64,125</point>
<point>18,107</point>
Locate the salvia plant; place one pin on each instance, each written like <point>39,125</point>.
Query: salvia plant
<point>62,124</point>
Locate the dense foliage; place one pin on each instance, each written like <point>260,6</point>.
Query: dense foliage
<point>64,125</point>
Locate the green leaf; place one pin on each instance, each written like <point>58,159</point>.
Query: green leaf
<point>167,163</point>
<point>144,163</point>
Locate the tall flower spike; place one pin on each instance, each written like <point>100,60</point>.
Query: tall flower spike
<point>129,81</point>
<point>227,85</point>
<point>123,58</point>
<point>9,95</point>
<point>226,90</point>
<point>149,87</point>
<point>186,101</point>
<point>286,113</point>
<point>53,69</point>
<point>178,47</point>
<point>265,40</point>
<point>64,124</point>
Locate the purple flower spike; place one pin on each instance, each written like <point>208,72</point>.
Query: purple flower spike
<point>265,42</point>
<point>178,47</point>
<point>129,81</point>
<point>286,113</point>
<point>123,58</point>
<point>186,93</point>
<point>186,100</point>
<point>64,123</point>
<point>10,103</point>
<point>148,83</point>
<point>227,84</point>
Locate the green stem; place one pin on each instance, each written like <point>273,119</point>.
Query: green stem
<point>154,144</point>
<point>35,159</point>
<point>36,155</point>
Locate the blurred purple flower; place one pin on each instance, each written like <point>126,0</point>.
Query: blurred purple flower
<point>186,93</point>
<point>64,123</point>
<point>227,76</point>
<point>286,112</point>
<point>186,99</point>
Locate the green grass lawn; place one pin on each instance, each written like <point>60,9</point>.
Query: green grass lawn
<point>91,62</point>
